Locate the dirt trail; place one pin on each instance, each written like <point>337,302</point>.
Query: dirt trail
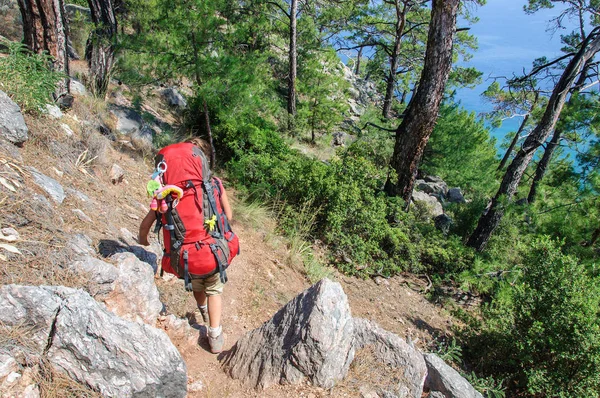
<point>260,279</point>
<point>260,284</point>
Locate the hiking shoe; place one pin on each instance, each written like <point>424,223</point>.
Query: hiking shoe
<point>204,313</point>
<point>216,343</point>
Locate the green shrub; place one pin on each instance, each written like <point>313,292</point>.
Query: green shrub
<point>367,232</point>
<point>27,78</point>
<point>544,332</point>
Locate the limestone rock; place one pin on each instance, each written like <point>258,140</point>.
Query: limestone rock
<point>432,204</point>
<point>12,123</point>
<point>178,329</point>
<point>73,10</point>
<point>10,232</point>
<point>53,111</point>
<point>443,378</point>
<point>7,148</point>
<point>128,120</point>
<point>78,194</point>
<point>135,296</point>
<point>145,134</point>
<point>455,196</point>
<point>114,356</point>
<point>68,131</point>
<point>101,275</point>
<point>436,394</point>
<point>48,184</point>
<point>82,216</point>
<point>77,335</point>
<point>309,338</point>
<point>393,351</point>
<point>35,306</point>
<point>16,380</point>
<point>77,87</point>
<point>116,174</point>
<point>174,98</point>
<point>81,244</point>
<point>432,188</point>
<point>339,138</point>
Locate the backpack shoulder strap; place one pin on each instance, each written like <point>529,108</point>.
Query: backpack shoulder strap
<point>208,190</point>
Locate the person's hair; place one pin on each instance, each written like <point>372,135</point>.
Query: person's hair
<point>202,144</point>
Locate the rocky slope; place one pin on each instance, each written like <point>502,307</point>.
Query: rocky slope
<point>79,295</point>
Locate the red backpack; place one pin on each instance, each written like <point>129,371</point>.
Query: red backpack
<point>198,241</point>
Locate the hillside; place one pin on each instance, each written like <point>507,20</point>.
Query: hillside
<point>390,246</point>
<point>267,274</point>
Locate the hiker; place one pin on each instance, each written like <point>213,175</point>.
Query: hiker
<point>199,243</point>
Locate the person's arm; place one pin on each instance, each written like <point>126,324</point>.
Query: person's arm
<point>145,228</point>
<point>225,204</point>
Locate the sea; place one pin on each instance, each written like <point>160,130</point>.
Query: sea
<point>509,40</point>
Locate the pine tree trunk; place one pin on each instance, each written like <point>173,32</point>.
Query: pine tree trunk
<point>489,221</point>
<point>422,112</point>
<point>45,29</point>
<point>514,141</point>
<point>391,79</point>
<point>213,153</point>
<point>544,162</point>
<point>293,59</point>
<point>542,165</point>
<point>100,49</point>
<point>33,31</point>
<point>357,67</point>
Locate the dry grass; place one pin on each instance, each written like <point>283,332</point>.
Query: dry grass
<point>16,336</point>
<point>55,384</point>
<point>254,215</point>
<point>52,384</point>
<point>367,374</point>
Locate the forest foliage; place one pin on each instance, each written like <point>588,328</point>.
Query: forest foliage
<point>538,329</point>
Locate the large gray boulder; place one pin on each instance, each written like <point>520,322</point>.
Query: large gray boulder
<point>12,123</point>
<point>48,184</point>
<point>431,203</point>
<point>93,346</point>
<point>32,306</point>
<point>443,378</point>
<point>438,189</point>
<point>135,297</point>
<point>394,352</point>
<point>311,338</point>
<point>128,120</point>
<point>101,276</point>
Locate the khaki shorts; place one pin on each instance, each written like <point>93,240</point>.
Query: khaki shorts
<point>212,285</point>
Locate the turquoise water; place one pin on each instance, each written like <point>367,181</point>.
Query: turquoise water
<point>509,41</point>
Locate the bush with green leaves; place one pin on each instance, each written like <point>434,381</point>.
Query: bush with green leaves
<point>368,233</point>
<point>544,331</point>
<point>27,78</point>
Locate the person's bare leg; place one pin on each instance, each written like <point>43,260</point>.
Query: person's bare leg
<point>215,331</point>
<point>200,298</point>
<point>201,301</point>
<point>214,310</point>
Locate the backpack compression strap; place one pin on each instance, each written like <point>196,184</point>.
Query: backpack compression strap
<point>210,195</point>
